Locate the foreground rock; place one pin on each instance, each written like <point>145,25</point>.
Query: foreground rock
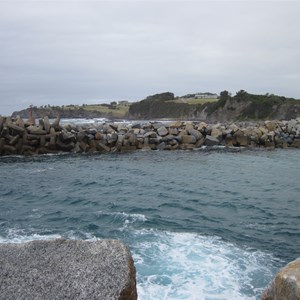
<point>27,138</point>
<point>67,269</point>
<point>286,285</point>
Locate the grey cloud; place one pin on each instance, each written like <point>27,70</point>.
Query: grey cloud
<point>75,52</point>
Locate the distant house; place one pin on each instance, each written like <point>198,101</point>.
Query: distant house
<point>206,96</point>
<point>124,102</point>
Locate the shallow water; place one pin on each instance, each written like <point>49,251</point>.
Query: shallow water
<point>200,224</point>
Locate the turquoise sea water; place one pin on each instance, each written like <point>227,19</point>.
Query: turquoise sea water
<point>200,224</point>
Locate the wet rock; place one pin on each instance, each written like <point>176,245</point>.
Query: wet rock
<point>67,269</point>
<point>286,284</point>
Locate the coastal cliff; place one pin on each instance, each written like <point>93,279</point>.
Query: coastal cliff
<point>243,106</point>
<point>26,138</point>
<point>67,269</point>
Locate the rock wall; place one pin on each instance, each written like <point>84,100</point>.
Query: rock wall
<point>27,138</point>
<point>67,269</point>
<point>286,284</point>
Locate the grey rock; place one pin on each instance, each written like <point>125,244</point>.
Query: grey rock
<point>173,131</point>
<point>67,269</point>
<point>197,134</point>
<point>161,146</point>
<point>150,134</point>
<point>188,139</point>
<point>162,131</point>
<point>211,141</point>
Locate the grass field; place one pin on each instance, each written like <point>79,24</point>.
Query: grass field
<point>194,100</point>
<point>119,112</point>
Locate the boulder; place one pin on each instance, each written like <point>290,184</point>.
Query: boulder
<point>201,126</point>
<point>67,269</point>
<point>173,131</point>
<point>161,146</point>
<point>18,129</point>
<point>188,139</point>
<point>296,143</point>
<point>162,131</point>
<point>216,133</point>
<point>211,141</point>
<point>176,124</point>
<point>286,284</point>
<point>197,134</point>
<point>271,125</point>
<point>47,124</point>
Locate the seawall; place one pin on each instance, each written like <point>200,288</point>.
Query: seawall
<point>18,137</point>
<point>67,269</point>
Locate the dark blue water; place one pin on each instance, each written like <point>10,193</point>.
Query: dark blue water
<point>200,224</point>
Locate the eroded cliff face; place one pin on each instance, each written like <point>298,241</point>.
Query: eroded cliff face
<point>233,110</point>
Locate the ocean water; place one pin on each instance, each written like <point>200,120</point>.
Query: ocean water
<point>207,224</point>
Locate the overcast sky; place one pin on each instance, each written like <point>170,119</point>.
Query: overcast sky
<point>75,52</point>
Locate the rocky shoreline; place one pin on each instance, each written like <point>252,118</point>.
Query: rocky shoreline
<point>19,137</point>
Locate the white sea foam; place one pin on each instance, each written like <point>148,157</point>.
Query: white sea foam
<point>126,217</point>
<point>191,266</point>
<point>175,266</point>
<point>19,236</point>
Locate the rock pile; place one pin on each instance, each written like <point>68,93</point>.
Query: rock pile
<point>26,138</point>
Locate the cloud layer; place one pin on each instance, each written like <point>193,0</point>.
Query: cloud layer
<point>56,52</point>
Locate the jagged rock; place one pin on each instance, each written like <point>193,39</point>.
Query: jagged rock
<point>162,131</point>
<point>55,124</point>
<point>173,131</point>
<point>64,147</point>
<point>35,130</point>
<point>201,126</point>
<point>101,147</point>
<point>14,140</point>
<point>47,124</point>
<point>16,128</point>
<point>286,284</point>
<point>150,134</point>
<point>234,128</point>
<point>67,269</point>
<point>216,133</point>
<point>2,121</point>
<point>176,124</point>
<point>296,143</point>
<point>211,141</point>
<point>161,146</point>
<point>271,125</point>
<point>188,139</point>
<point>195,133</point>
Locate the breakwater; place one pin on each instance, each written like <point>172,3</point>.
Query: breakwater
<point>27,138</point>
